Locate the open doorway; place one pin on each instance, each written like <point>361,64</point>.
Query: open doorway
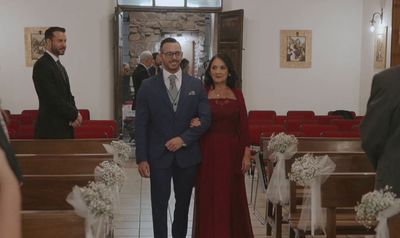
<point>143,31</point>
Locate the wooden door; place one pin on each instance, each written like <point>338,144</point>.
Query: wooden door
<point>230,38</point>
<point>395,45</point>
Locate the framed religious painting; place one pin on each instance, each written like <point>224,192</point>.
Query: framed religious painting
<point>295,49</point>
<point>35,44</point>
<point>380,49</point>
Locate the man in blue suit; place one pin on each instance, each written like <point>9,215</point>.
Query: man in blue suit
<point>166,146</point>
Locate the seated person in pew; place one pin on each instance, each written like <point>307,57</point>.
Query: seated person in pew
<point>10,201</point>
<point>380,129</point>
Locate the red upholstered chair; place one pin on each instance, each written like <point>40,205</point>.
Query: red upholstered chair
<point>345,125</point>
<point>293,124</point>
<point>25,132</point>
<point>110,123</point>
<point>261,117</point>
<point>340,134</point>
<point>90,134</point>
<point>326,119</point>
<point>300,114</point>
<point>17,117</point>
<point>13,124</point>
<point>12,133</point>
<point>315,130</point>
<point>280,119</point>
<point>29,116</point>
<point>295,133</point>
<point>85,114</point>
<point>94,131</point>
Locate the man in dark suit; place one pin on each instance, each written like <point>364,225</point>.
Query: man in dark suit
<point>156,68</point>
<point>141,72</point>
<point>380,129</point>
<point>166,146</point>
<point>58,115</point>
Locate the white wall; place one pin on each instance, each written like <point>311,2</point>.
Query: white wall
<point>334,78</point>
<point>88,59</point>
<point>367,58</point>
<point>342,53</point>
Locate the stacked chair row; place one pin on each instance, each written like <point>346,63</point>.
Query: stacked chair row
<point>22,126</point>
<point>303,124</point>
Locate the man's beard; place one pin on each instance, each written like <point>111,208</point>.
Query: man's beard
<point>58,51</point>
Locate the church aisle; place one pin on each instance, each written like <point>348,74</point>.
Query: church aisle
<point>134,219</point>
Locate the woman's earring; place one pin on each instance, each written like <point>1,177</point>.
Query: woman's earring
<point>229,75</point>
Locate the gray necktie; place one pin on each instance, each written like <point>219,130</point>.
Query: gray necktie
<point>172,86</point>
<point>173,91</point>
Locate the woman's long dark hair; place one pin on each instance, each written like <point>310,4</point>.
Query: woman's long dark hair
<point>232,76</point>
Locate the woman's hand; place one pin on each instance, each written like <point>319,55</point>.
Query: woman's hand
<point>246,161</point>
<point>195,122</point>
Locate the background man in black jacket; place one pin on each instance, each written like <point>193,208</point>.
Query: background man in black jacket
<point>58,115</point>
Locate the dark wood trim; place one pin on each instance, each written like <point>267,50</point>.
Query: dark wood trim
<point>395,44</point>
<point>117,70</point>
<point>169,9</point>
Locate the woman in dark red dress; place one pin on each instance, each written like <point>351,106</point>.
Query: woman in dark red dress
<point>221,202</point>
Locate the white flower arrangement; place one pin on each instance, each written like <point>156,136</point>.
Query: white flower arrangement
<point>305,169</point>
<point>281,142</point>
<point>110,173</point>
<point>372,204</point>
<point>122,150</point>
<point>98,198</point>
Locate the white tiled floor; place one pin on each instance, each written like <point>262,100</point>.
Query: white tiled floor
<point>134,220</point>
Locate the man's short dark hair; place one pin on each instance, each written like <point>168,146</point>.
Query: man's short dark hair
<point>48,34</point>
<point>167,40</point>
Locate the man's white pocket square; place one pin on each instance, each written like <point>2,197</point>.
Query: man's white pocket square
<point>192,93</point>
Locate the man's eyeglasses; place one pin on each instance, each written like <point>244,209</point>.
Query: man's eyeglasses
<point>171,54</point>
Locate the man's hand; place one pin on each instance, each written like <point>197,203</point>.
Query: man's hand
<point>78,121</point>
<point>174,144</point>
<point>144,169</point>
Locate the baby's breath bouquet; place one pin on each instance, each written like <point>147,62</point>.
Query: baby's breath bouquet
<point>281,147</point>
<point>312,171</point>
<point>372,204</point>
<point>98,198</point>
<point>281,142</point>
<point>122,151</point>
<point>110,173</point>
<point>305,169</point>
<point>94,202</point>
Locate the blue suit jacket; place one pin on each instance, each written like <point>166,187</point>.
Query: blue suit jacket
<point>156,122</point>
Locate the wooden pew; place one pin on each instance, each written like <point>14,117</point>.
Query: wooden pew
<point>51,168</point>
<point>48,192</point>
<point>344,191</point>
<point>394,226</point>
<point>60,146</point>
<point>60,164</point>
<point>344,164</point>
<point>50,224</point>
<point>321,144</point>
<point>345,161</point>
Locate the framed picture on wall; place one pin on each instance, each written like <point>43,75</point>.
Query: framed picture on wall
<point>380,49</point>
<point>295,49</point>
<point>35,44</point>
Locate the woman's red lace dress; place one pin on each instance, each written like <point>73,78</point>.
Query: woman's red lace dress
<point>221,202</point>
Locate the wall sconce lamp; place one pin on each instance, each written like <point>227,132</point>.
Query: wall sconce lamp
<point>380,14</point>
